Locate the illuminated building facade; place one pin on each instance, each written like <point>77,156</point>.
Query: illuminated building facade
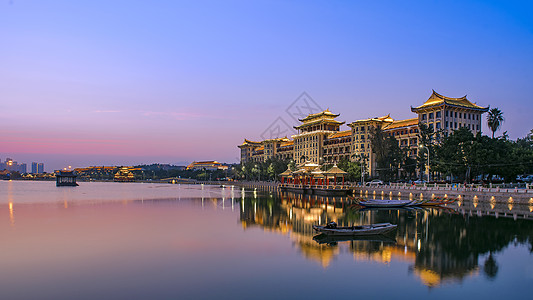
<point>210,165</point>
<point>449,114</point>
<point>321,140</point>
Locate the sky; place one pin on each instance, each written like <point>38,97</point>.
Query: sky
<point>87,83</point>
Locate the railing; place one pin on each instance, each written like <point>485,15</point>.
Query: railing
<point>496,188</point>
<point>315,186</point>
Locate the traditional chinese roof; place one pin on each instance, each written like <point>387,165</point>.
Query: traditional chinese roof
<point>340,134</point>
<point>287,172</point>
<point>326,114</point>
<point>308,165</point>
<point>437,99</point>
<point>288,143</point>
<point>383,119</point>
<point>402,123</point>
<point>326,117</point>
<point>335,171</point>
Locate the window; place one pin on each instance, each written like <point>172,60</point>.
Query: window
<point>362,146</point>
<point>424,117</point>
<point>455,125</point>
<point>437,114</point>
<point>430,116</point>
<point>477,127</point>
<point>456,115</point>
<point>446,113</point>
<point>446,124</point>
<point>437,125</point>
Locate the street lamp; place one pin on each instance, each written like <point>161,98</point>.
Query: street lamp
<point>422,147</point>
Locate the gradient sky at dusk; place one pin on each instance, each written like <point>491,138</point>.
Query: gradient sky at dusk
<point>128,82</point>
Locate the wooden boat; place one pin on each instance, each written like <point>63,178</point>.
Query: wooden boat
<point>385,203</point>
<point>372,229</point>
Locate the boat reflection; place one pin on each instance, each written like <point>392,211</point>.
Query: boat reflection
<point>332,240</point>
<point>441,245</point>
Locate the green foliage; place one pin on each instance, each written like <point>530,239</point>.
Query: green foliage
<point>267,170</point>
<point>494,120</point>
<point>466,156</point>
<point>352,168</point>
<point>389,156</point>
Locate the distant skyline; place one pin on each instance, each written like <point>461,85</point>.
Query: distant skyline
<point>130,82</point>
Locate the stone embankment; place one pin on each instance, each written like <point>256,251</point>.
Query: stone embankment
<point>266,186</point>
<point>468,193</point>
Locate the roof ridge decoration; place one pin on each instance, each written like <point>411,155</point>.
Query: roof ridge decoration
<point>437,99</point>
<point>316,115</point>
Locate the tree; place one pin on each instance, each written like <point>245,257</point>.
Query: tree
<point>426,138</point>
<point>389,155</point>
<point>494,120</point>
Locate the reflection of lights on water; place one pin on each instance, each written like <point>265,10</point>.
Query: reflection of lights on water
<point>419,245</point>
<point>510,206</point>
<point>510,200</point>
<point>476,201</point>
<point>410,196</point>
<point>11,214</point>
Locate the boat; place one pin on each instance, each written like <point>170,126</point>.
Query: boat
<point>385,203</point>
<point>372,229</point>
<point>334,239</point>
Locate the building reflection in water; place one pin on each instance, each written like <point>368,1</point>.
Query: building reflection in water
<point>441,245</point>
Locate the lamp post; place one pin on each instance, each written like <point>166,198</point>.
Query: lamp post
<point>422,147</point>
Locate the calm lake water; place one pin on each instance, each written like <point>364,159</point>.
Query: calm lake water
<point>162,241</point>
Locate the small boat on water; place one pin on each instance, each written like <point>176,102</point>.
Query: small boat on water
<point>372,229</point>
<point>385,203</point>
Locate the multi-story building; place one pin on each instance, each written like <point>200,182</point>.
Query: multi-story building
<point>313,134</point>
<point>12,165</point>
<point>320,139</point>
<point>280,148</point>
<point>447,114</point>
<point>210,165</point>
<point>37,168</point>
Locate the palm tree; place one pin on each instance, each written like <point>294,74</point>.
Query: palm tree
<point>495,119</point>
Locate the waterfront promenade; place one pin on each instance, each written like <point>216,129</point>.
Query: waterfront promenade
<point>474,193</point>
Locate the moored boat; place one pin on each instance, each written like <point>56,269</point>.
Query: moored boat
<point>371,229</point>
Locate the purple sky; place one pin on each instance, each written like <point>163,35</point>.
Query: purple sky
<point>128,82</point>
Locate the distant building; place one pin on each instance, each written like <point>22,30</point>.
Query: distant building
<point>12,165</point>
<point>207,165</point>
<point>37,168</point>
<point>125,174</point>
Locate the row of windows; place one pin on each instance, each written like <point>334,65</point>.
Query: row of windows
<point>362,128</point>
<point>453,114</point>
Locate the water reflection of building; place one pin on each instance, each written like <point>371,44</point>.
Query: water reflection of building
<point>440,245</point>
